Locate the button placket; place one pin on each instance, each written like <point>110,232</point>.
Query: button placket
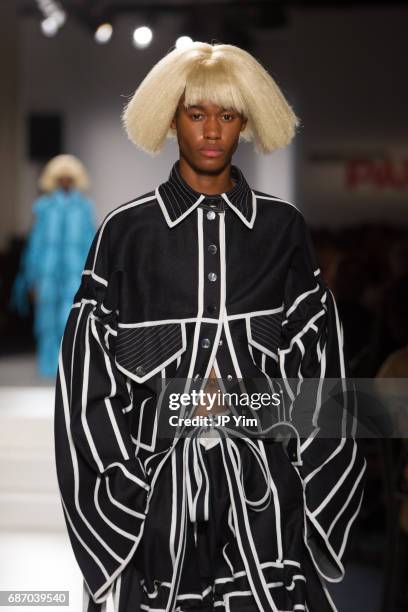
<point>211,285</point>
<point>211,266</point>
<point>212,249</point>
<point>211,298</point>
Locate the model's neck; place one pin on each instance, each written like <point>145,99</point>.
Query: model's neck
<point>210,184</point>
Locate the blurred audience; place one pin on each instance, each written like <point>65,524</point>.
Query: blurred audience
<point>367,269</point>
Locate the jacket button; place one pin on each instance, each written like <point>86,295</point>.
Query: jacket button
<point>229,377</point>
<point>211,308</point>
<point>205,343</point>
<point>211,215</point>
<point>212,248</point>
<point>212,276</point>
<point>220,343</point>
<point>140,371</point>
<point>197,377</point>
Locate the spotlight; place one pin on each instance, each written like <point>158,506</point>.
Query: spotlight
<point>59,17</point>
<point>49,26</point>
<point>183,42</point>
<point>142,37</point>
<point>103,33</point>
<point>54,16</point>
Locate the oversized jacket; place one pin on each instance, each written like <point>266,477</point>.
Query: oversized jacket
<point>175,283</point>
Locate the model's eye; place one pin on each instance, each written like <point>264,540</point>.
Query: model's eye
<point>228,116</point>
<point>195,116</point>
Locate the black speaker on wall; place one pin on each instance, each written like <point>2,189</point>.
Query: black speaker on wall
<point>45,136</point>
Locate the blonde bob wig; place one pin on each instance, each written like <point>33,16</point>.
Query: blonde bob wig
<point>63,165</point>
<point>223,74</point>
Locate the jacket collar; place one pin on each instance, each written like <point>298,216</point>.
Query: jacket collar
<point>177,199</point>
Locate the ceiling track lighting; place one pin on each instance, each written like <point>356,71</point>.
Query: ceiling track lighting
<point>103,33</point>
<point>54,16</point>
<point>142,37</point>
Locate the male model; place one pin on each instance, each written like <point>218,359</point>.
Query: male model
<point>208,281</point>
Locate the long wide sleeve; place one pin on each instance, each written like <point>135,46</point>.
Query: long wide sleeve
<point>102,482</point>
<point>325,451</point>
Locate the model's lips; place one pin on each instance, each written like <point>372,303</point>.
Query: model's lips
<point>211,152</point>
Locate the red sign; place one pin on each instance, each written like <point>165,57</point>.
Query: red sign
<point>377,173</point>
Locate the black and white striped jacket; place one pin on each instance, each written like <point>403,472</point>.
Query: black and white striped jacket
<point>177,282</point>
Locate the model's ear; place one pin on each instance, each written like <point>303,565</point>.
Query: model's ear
<point>244,123</point>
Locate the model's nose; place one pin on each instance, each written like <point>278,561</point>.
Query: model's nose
<point>212,128</point>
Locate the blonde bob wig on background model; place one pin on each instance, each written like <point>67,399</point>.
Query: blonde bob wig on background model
<point>61,166</point>
<point>223,74</point>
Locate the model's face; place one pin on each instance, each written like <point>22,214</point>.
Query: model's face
<point>65,182</point>
<point>207,135</point>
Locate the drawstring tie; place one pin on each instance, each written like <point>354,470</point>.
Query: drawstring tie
<point>195,504</point>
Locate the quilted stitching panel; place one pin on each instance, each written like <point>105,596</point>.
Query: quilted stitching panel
<point>266,330</point>
<point>142,349</point>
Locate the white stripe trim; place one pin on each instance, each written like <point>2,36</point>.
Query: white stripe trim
<point>200,297</point>
<point>346,531</point>
<point>96,277</point>
<point>173,510</point>
<point>337,486</point>
<point>171,223</point>
<point>84,395</point>
<point>249,223</point>
<point>277,199</point>
<point>129,475</point>
<point>76,477</point>
<point>112,394</point>
<point>125,534</point>
<point>113,214</point>
<point>300,298</point>
<point>346,503</point>
<point>118,504</point>
<point>211,361</point>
